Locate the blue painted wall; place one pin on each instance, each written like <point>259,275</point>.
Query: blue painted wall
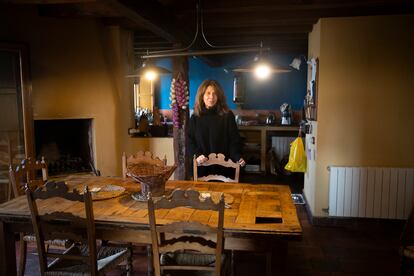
<point>264,94</point>
<point>162,90</point>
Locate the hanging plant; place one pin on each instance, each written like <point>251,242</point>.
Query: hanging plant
<point>179,99</point>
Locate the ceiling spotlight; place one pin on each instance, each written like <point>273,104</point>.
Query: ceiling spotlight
<point>297,62</point>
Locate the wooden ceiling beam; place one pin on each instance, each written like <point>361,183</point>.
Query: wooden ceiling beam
<point>276,6</point>
<point>149,38</point>
<point>142,20</point>
<point>236,37</point>
<point>270,30</point>
<point>269,16</point>
<point>269,13</point>
<point>259,22</point>
<point>47,2</point>
<point>156,19</point>
<point>152,18</point>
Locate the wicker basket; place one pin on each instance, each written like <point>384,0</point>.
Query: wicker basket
<point>151,177</point>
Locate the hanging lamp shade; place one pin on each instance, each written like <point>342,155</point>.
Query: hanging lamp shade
<point>297,62</point>
<point>261,68</point>
<point>260,63</point>
<point>251,69</point>
<point>148,68</point>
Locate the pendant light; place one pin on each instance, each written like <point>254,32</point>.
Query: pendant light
<point>149,71</point>
<point>261,67</point>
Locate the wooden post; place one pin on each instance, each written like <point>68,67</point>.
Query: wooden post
<point>181,158</point>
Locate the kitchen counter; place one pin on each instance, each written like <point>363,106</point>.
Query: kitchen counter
<point>262,132</point>
<point>269,128</point>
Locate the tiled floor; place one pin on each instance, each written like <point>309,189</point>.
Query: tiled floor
<point>364,249</point>
<point>360,248</point>
<point>369,248</point>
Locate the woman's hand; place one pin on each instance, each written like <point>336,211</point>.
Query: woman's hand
<point>242,162</point>
<point>201,159</point>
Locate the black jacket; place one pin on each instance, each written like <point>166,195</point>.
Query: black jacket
<point>211,132</point>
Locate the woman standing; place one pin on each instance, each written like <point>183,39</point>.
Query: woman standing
<point>212,127</point>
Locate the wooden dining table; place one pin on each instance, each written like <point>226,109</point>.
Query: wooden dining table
<point>258,217</point>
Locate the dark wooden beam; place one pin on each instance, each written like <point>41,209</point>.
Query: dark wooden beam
<point>230,38</point>
<point>292,29</point>
<point>243,12</point>
<point>146,15</point>
<point>237,6</point>
<point>145,21</point>
<point>76,10</point>
<point>41,2</point>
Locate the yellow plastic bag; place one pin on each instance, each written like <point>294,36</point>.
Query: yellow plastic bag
<point>297,157</point>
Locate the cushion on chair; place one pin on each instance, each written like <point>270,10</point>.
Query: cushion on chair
<point>106,256</point>
<point>186,258</point>
<point>190,258</point>
<point>56,242</point>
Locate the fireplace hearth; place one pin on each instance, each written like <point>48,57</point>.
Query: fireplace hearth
<point>66,145</point>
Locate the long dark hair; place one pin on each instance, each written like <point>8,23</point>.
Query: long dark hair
<point>221,104</point>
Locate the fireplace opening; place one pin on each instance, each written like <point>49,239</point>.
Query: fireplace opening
<point>65,144</point>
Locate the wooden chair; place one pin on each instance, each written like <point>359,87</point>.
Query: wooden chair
<point>140,157</point>
<point>26,174</point>
<point>186,245</point>
<point>83,257</point>
<point>407,246</point>
<point>216,159</point>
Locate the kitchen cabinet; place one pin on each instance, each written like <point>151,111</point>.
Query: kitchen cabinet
<point>257,143</point>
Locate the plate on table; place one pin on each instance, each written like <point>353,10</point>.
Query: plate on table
<point>215,196</point>
<point>106,192</point>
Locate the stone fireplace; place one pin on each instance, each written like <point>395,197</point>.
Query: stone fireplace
<point>66,145</point>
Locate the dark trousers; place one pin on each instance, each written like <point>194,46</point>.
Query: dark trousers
<point>216,169</point>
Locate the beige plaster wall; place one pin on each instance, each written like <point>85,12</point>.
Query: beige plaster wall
<point>77,69</point>
<point>365,95</point>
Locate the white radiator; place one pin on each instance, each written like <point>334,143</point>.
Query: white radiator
<point>371,192</point>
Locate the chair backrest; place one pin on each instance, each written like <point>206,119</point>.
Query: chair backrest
<point>140,157</point>
<point>217,159</point>
<point>187,235</point>
<point>25,173</point>
<point>63,225</point>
